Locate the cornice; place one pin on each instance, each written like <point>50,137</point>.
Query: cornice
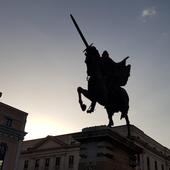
<point>150,148</point>
<point>30,150</point>
<point>13,133</point>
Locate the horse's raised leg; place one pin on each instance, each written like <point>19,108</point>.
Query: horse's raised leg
<point>89,96</point>
<point>110,114</point>
<point>91,107</point>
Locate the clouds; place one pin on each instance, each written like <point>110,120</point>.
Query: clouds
<point>149,12</point>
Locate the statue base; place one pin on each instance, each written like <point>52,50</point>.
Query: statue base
<point>103,149</point>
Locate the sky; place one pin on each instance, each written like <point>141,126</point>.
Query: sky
<point>42,61</point>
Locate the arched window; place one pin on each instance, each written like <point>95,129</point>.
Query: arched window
<point>3,149</point>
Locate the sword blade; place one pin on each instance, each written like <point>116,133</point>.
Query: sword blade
<point>79,31</point>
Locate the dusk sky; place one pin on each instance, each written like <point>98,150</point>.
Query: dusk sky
<point>42,61</point>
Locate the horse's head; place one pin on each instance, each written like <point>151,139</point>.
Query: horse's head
<point>92,60</point>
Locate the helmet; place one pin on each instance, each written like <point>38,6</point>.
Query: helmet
<point>105,54</point>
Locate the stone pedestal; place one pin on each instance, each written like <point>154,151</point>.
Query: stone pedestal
<point>103,149</point>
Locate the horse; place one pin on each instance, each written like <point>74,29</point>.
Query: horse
<point>114,99</point>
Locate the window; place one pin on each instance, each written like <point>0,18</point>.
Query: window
<point>37,161</point>
<point>8,122</point>
<point>47,162</point>
<point>156,165</point>
<point>138,158</point>
<point>162,167</point>
<point>71,161</point>
<point>148,163</point>
<point>1,164</point>
<point>3,148</point>
<point>25,164</point>
<point>57,162</point>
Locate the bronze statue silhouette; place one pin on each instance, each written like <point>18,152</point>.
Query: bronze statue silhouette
<point>105,78</point>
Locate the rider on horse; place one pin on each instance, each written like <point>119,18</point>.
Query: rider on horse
<point>105,78</point>
<point>106,73</point>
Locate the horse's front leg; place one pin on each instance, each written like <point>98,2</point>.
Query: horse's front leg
<point>91,107</point>
<point>89,96</point>
<point>83,106</point>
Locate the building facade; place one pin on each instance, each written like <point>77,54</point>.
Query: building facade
<point>65,153</point>
<point>12,124</point>
<point>52,152</point>
<point>155,156</point>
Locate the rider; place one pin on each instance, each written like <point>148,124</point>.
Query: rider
<point>115,74</point>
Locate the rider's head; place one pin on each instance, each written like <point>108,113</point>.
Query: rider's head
<point>105,54</point>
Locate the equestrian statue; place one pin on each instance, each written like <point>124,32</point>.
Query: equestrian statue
<point>105,80</point>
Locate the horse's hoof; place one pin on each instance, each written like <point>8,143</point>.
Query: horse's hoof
<point>110,125</point>
<point>90,110</point>
<point>83,107</point>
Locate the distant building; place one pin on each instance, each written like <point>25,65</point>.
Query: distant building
<point>63,152</point>
<point>12,124</point>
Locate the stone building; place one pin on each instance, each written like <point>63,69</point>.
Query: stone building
<point>155,156</point>
<point>51,152</point>
<point>12,124</point>
<point>70,151</point>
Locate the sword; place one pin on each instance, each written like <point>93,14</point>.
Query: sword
<point>79,31</point>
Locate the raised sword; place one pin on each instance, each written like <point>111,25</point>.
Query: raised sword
<point>79,31</point>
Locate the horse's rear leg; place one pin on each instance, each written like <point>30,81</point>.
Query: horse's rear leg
<point>83,106</point>
<point>110,114</point>
<point>125,115</point>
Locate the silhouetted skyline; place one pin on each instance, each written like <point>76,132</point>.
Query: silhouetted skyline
<point>42,61</point>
